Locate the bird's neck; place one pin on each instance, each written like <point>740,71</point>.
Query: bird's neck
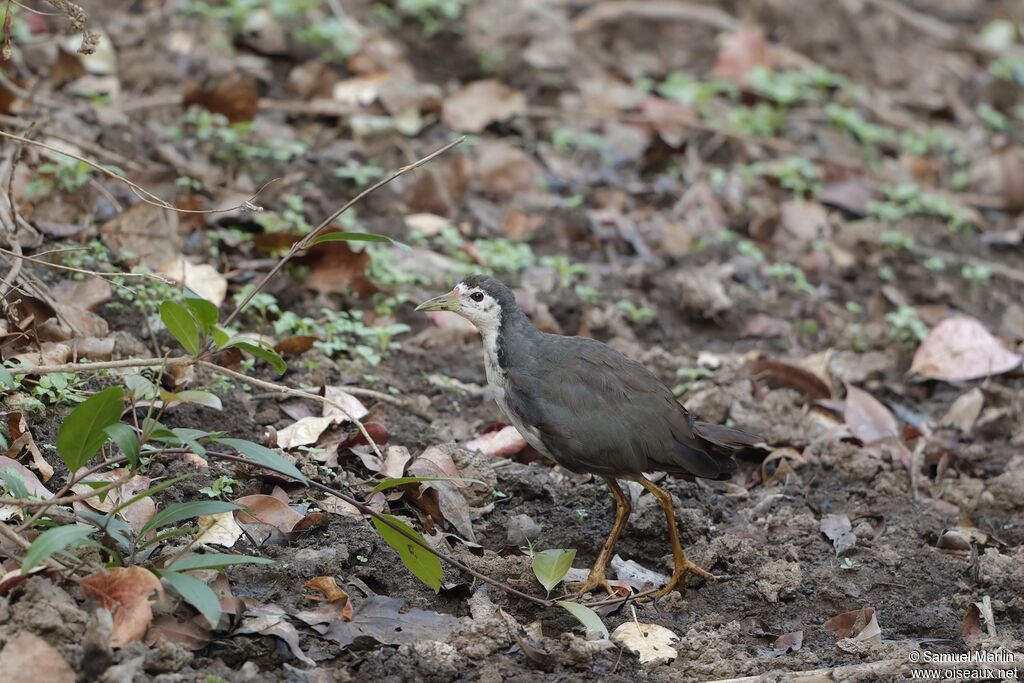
<point>513,334</point>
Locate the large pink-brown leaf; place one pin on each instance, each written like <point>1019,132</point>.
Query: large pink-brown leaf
<point>126,592</point>
<point>960,349</point>
<point>867,418</point>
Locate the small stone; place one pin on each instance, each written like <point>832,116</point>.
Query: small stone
<point>520,528</point>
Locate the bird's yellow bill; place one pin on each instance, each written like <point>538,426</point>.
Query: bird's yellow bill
<point>445,302</point>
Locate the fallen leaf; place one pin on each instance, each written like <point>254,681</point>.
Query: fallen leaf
<point>742,51</point>
<point>533,651</point>
<point>295,346</point>
<point>766,327</point>
<point>168,629</point>
<point>505,171</point>
<point>1001,175</point>
<point>650,642</point>
<point>853,195</point>
<point>332,592</point>
<point>136,514</point>
<point>502,443</point>
<point>269,620</point>
<point>436,462</point>
<point>637,576</point>
<point>88,294</point>
<point>789,642</point>
<point>337,506</point>
<point>264,509</point>
<point>868,420</point>
<point>17,428</point>
<point>478,104</point>
<point>381,618</point>
<point>336,269</point>
<point>978,621</point>
<point>27,658</point>
<point>236,95</point>
<point>801,223</point>
<point>220,529</point>
<point>304,432</point>
<point>965,410</point>
<point>859,624</point>
<point>202,278</point>
<point>428,224</point>
<point>143,233</point>
<point>959,349</point>
<point>778,374</point>
<point>353,406</point>
<point>126,592</point>
<point>839,530</point>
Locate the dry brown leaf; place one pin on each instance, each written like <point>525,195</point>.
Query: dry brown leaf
<point>236,95</point>
<point>88,294</point>
<point>126,592</point>
<point>766,327</point>
<point>264,509</point>
<point>269,620</point>
<point>778,374</point>
<point>859,624</point>
<point>960,349</point>
<point>436,462</point>
<point>504,171</point>
<point>395,460</point>
<point>801,222</point>
<point>789,642</point>
<point>336,269</point>
<point>978,621</point>
<point>866,417</point>
<point>49,353</point>
<point>332,592</point>
<point>188,634</point>
<point>21,438</point>
<point>1002,176</point>
<point>479,104</point>
<point>295,346</point>
<point>143,233</point>
<point>28,658</point>
<point>839,530</point>
<point>742,51</point>
<point>136,514</point>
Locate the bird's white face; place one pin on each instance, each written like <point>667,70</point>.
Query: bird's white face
<point>472,303</point>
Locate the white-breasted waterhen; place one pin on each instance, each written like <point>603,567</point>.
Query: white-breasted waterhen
<point>592,410</point>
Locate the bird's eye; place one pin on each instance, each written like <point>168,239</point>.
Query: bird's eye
<point>477,296</point>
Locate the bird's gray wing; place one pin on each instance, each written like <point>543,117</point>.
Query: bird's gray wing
<point>598,411</point>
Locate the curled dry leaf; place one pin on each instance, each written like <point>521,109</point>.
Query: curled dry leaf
<point>303,432</point>
<point>960,349</point>
<point>859,624</point>
<point>21,438</point>
<point>650,642</point>
<point>126,592</point>
<point>136,514</point>
<point>866,417</point>
<point>201,278</point>
<point>533,651</point>
<point>789,642</point>
<point>965,410</point>
<point>381,618</point>
<point>269,620</point>
<point>839,530</point>
<point>264,509</point>
<point>978,620</point>
<point>436,462</point>
<point>30,659</point>
<point>636,575</point>
<point>332,593</point>
<point>778,374</point>
<point>352,405</point>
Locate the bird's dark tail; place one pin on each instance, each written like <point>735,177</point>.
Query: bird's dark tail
<point>729,438</point>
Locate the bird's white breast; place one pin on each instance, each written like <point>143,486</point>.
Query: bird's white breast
<point>498,381</point>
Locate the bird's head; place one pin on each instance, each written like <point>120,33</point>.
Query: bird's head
<point>481,300</point>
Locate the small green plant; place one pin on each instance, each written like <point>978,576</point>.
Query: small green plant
<point>906,325</point>
<point>433,15</point>
<point>588,295</point>
<point>788,272</point>
<point>291,219</point>
<point>66,175</point>
<point>936,264</point>
<point>233,142</point>
<point>219,487</point>
<point>907,199</point>
<point>898,240</point>
<point>566,269</point>
<point>689,377</point>
<point>976,274</point>
<point>638,315</point>
<point>359,174</point>
<point>763,119</point>
<point>853,122</point>
<point>797,174</point>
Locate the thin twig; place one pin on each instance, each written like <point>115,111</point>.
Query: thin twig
<point>416,540</point>
<point>72,481</point>
<point>66,500</point>
<point>318,230</point>
<point>141,192</point>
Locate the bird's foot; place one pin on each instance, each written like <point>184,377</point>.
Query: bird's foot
<point>593,582</point>
<point>678,579</point>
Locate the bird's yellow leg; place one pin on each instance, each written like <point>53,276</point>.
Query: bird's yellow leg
<point>596,579</point>
<point>681,564</point>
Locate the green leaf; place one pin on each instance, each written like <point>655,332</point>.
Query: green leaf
<point>220,337</point>
<point>139,387</point>
<point>197,396</point>
<point>585,616</point>
<point>424,566</point>
<point>84,431</point>
<point>349,237</point>
<point>190,438</point>
<point>152,491</point>
<point>266,457</point>
<point>176,512</point>
<point>52,541</point>
<point>264,353</point>
<point>15,482</point>
<point>181,324</point>
<point>551,566</point>
<point>7,379</point>
<point>205,313</point>
<point>196,593</point>
<point>153,429</point>
<point>117,529</point>
<point>126,439</point>
<point>398,481</point>
<point>214,561</point>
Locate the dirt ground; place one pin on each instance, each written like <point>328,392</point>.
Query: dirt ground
<point>676,222</point>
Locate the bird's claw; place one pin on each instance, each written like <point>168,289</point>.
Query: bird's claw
<point>678,579</point>
<point>590,585</point>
